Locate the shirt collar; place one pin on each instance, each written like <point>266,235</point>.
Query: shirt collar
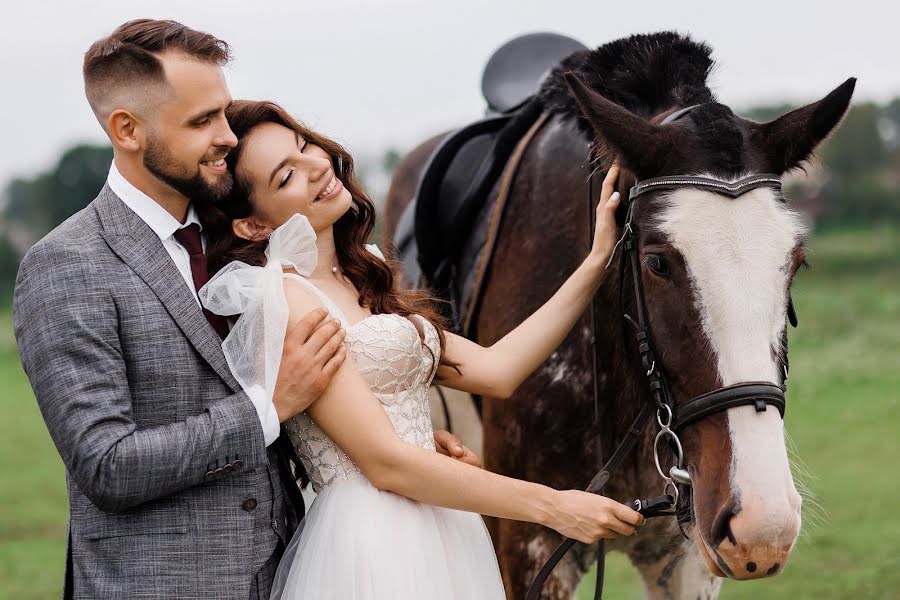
<point>151,212</point>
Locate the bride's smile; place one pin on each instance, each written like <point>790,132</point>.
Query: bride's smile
<point>331,190</point>
<point>287,174</point>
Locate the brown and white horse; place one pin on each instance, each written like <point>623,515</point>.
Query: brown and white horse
<point>716,274</point>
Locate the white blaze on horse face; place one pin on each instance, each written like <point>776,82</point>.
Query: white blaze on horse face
<point>738,254</point>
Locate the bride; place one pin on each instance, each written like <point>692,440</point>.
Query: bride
<point>392,518</point>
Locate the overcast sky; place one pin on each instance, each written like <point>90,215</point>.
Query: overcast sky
<point>385,73</point>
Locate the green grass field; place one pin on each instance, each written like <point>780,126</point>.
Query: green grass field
<point>843,418</point>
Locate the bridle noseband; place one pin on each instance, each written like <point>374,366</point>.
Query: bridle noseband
<point>670,420</point>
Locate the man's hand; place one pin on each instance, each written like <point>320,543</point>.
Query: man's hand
<point>313,353</point>
<point>449,445</point>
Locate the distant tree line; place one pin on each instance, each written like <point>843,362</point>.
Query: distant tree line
<point>32,207</point>
<point>856,181</point>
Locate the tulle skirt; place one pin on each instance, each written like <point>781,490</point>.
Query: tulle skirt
<point>360,543</point>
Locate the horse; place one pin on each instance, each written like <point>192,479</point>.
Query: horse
<point>714,275</point>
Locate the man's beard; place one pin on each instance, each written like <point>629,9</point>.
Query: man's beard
<point>158,160</point>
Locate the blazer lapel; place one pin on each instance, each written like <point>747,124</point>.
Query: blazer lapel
<point>141,249</point>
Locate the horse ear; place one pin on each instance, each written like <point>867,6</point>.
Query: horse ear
<point>791,139</point>
<point>642,147</point>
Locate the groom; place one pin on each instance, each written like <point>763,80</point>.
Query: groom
<point>172,474</point>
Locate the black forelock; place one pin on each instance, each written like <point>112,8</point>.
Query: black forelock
<point>647,74</point>
<point>720,136</point>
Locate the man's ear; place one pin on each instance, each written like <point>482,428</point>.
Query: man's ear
<point>251,228</point>
<point>125,130</point>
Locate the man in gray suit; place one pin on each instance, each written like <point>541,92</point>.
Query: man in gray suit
<point>173,483</point>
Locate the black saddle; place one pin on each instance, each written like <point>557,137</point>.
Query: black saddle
<point>514,72</point>
<point>457,180</point>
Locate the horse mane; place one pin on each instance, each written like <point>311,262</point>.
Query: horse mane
<point>645,73</point>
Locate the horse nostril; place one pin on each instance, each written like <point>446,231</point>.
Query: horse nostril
<point>773,570</point>
<point>721,526</point>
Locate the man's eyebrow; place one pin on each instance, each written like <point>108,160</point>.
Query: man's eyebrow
<point>284,161</point>
<point>209,112</point>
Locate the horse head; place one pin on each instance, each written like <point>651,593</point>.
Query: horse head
<point>716,273</point>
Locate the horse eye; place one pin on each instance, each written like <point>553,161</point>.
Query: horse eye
<point>658,265</point>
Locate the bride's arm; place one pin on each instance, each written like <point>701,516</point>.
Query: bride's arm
<point>497,371</point>
<point>353,417</point>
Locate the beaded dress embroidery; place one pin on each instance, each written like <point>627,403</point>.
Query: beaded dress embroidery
<point>390,356</point>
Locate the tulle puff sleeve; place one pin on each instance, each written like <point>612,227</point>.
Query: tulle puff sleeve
<point>253,347</point>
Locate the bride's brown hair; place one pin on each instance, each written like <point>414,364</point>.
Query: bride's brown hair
<point>373,277</point>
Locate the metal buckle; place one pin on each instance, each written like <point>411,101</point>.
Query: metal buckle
<point>626,232</point>
<point>661,506</point>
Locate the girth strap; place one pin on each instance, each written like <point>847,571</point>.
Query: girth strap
<point>755,393</point>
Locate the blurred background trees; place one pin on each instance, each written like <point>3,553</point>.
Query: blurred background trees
<point>855,182</point>
<point>32,207</point>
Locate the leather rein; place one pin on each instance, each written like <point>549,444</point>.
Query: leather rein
<point>670,420</point>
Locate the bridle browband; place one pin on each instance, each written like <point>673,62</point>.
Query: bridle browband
<point>671,420</point>
<point>732,189</point>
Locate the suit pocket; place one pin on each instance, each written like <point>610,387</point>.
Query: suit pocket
<point>169,516</point>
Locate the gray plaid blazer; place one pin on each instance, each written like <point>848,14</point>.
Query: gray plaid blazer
<point>172,492</point>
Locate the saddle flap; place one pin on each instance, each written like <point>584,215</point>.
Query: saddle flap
<point>435,212</point>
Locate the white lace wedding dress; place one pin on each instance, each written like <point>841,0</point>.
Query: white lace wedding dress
<point>358,542</point>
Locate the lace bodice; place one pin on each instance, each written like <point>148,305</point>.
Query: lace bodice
<point>390,356</point>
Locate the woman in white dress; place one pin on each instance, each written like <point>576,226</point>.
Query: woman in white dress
<point>392,518</point>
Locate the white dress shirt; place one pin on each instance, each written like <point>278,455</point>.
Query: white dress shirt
<point>165,225</point>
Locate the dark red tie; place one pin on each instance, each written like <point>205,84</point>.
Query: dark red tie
<point>189,237</point>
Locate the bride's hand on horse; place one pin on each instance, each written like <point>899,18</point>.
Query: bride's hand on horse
<point>605,228</point>
<point>588,517</point>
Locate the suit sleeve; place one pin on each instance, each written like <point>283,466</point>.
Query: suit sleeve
<point>66,327</point>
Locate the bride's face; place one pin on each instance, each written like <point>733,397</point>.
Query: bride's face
<point>289,175</point>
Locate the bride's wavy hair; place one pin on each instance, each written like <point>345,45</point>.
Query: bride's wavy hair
<point>374,278</point>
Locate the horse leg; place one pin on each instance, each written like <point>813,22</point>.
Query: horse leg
<point>679,574</point>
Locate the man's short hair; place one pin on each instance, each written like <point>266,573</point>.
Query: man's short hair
<point>127,61</point>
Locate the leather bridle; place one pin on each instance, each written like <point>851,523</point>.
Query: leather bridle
<point>670,420</point>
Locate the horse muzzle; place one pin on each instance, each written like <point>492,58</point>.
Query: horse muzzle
<point>753,543</point>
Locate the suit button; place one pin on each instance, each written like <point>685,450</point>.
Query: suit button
<point>220,473</point>
<point>209,476</point>
<point>249,504</point>
<point>237,464</point>
<point>228,468</point>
